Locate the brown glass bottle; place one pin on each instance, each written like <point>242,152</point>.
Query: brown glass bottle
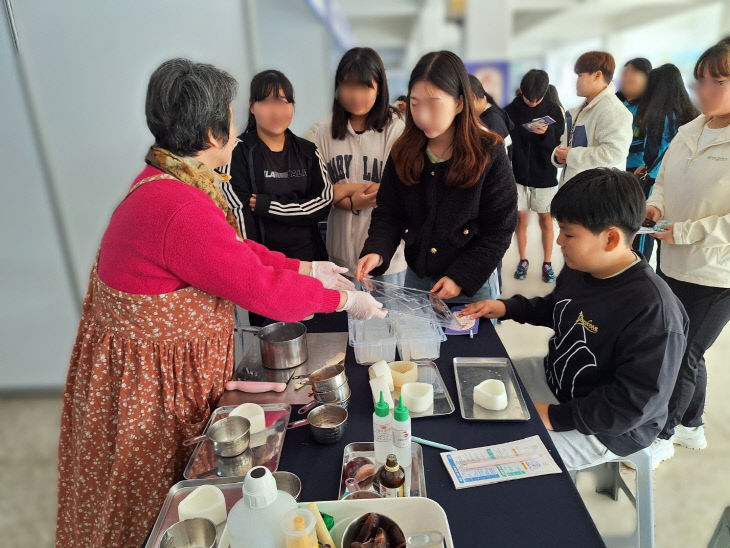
<point>391,478</point>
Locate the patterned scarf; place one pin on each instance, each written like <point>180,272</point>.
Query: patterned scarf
<point>196,174</point>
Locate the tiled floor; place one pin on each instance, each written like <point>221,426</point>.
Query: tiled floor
<point>690,491</point>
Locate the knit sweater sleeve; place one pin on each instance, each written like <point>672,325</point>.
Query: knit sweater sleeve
<point>201,249</point>
<point>497,222</point>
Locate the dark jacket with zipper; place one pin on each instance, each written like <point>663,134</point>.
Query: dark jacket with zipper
<point>531,151</point>
<point>284,215</point>
<point>459,233</point>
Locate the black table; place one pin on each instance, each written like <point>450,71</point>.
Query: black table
<point>541,511</point>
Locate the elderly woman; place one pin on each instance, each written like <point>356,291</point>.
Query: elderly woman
<point>155,342</point>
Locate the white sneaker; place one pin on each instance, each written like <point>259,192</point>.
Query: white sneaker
<point>661,450</point>
<point>690,437</point>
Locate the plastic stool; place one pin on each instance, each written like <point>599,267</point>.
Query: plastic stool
<point>610,483</point>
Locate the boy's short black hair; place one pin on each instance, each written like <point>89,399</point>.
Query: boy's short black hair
<point>600,198</point>
<point>534,84</point>
<point>402,98</point>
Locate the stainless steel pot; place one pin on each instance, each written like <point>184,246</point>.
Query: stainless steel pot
<point>283,344</point>
<point>230,436</point>
<point>327,378</point>
<point>189,533</point>
<point>339,396</point>
<point>326,422</point>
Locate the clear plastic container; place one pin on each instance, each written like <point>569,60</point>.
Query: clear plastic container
<point>298,527</point>
<point>419,342</point>
<point>373,340</point>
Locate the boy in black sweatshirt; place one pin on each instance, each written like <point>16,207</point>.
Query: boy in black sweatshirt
<point>620,332</point>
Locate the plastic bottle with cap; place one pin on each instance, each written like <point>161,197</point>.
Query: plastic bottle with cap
<point>382,434</point>
<point>402,434</point>
<point>256,519</point>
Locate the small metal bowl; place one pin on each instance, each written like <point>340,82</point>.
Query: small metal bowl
<point>327,423</point>
<point>289,483</point>
<point>230,436</point>
<point>190,533</point>
<point>341,393</point>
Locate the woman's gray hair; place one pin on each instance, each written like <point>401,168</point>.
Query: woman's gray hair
<point>185,101</point>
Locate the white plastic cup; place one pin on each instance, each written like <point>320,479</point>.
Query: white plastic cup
<point>205,501</point>
<point>417,396</point>
<point>255,415</point>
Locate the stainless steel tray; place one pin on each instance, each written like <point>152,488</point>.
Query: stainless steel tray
<point>409,513</point>
<point>471,371</point>
<point>265,447</point>
<point>168,513</point>
<point>415,481</point>
<point>442,402</point>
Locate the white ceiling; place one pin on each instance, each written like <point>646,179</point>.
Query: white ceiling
<point>392,26</point>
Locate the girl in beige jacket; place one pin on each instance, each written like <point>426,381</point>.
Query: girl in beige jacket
<point>692,192</point>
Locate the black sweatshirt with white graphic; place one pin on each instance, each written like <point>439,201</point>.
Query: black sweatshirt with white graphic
<point>614,358</point>
<point>293,193</point>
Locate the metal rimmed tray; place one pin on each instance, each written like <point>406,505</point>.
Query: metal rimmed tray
<point>413,514</point>
<point>168,513</point>
<point>471,371</point>
<point>265,447</point>
<point>415,480</point>
<point>442,403</point>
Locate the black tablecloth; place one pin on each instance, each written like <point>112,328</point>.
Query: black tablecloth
<point>541,511</point>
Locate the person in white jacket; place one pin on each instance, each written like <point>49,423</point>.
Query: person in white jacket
<point>598,132</point>
<point>692,192</point>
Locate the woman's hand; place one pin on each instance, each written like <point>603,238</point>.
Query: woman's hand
<point>667,234</point>
<point>331,276</point>
<point>252,202</point>
<point>539,129</point>
<point>446,288</point>
<point>366,264</point>
<point>640,170</point>
<point>484,309</point>
<point>653,214</point>
<point>362,306</point>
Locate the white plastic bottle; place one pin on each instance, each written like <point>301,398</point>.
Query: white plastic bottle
<point>402,434</point>
<point>382,434</point>
<point>255,520</point>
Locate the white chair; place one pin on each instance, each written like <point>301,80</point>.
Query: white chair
<point>610,483</point>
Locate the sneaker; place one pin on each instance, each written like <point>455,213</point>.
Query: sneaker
<point>661,450</point>
<point>548,274</point>
<point>690,437</point>
<point>521,272</point>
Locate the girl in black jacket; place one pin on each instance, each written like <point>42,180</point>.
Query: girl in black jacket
<point>447,190</point>
<point>280,183</point>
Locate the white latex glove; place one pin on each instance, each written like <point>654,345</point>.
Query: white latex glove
<point>362,306</point>
<point>331,276</point>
